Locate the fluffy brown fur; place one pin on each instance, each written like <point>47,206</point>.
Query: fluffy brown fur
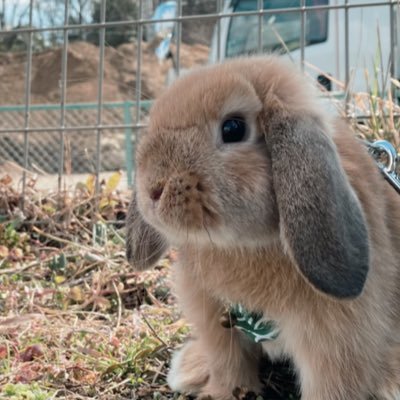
<point>295,222</point>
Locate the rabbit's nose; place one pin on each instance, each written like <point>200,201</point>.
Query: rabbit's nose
<point>156,193</point>
<point>185,184</point>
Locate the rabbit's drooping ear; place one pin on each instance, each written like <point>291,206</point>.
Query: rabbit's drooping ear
<point>144,245</point>
<point>321,221</point>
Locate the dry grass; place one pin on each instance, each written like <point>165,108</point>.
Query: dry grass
<point>76,322</point>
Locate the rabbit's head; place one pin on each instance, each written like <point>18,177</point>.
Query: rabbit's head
<point>239,156</point>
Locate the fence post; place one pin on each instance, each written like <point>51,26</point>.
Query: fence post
<point>128,142</point>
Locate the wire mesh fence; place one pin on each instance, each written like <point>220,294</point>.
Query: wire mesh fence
<point>76,83</point>
<point>44,151</point>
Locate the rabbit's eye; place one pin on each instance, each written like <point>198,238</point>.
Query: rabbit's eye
<point>233,130</point>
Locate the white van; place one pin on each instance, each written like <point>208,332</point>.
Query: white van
<point>369,43</point>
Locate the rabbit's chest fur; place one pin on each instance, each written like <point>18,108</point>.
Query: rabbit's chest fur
<point>267,281</point>
<point>262,281</point>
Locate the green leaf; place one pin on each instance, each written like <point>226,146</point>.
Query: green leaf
<point>58,262</point>
<point>59,279</point>
<point>99,233</point>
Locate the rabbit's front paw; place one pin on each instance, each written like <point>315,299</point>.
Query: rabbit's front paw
<point>189,371</point>
<point>390,391</point>
<point>217,390</point>
<point>192,372</point>
<point>213,390</point>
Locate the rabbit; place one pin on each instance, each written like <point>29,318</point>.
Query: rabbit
<point>276,205</point>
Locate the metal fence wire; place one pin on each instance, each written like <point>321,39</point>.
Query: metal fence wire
<point>44,154</point>
<point>96,131</point>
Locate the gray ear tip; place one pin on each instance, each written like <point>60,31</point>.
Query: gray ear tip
<point>129,250</point>
<point>347,288</point>
<point>134,260</point>
<point>348,292</point>
<point>144,245</point>
<point>128,254</point>
<point>145,248</point>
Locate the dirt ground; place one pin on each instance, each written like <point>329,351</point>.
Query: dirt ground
<point>120,66</point>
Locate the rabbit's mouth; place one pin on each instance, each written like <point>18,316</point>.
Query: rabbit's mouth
<point>185,204</point>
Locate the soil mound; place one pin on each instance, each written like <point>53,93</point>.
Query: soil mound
<point>119,82</point>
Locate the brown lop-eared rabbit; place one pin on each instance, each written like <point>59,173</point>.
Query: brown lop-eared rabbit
<point>276,207</point>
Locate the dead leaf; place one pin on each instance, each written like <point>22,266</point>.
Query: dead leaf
<point>16,254</point>
<point>3,352</point>
<point>76,294</point>
<point>83,375</point>
<point>3,252</point>
<point>113,182</point>
<point>102,302</point>
<point>29,372</point>
<point>90,183</point>
<point>107,202</point>
<point>115,342</point>
<point>6,180</point>
<point>31,353</point>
